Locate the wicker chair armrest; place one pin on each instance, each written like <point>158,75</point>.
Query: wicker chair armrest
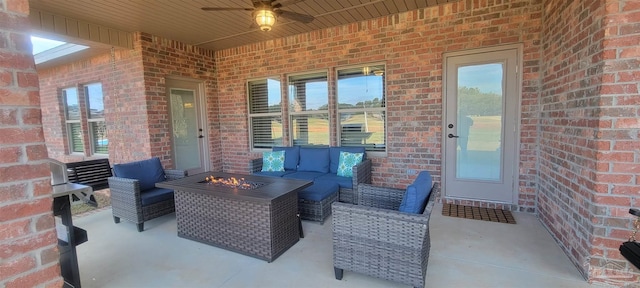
<point>173,174</point>
<point>255,165</point>
<point>125,193</point>
<point>379,197</point>
<point>361,174</point>
<point>370,224</point>
<point>124,185</point>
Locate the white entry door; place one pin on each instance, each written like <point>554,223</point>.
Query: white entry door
<point>189,137</point>
<point>480,126</point>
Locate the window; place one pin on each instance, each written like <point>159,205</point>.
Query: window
<point>265,113</point>
<point>361,107</point>
<point>95,118</point>
<point>72,119</point>
<point>309,109</point>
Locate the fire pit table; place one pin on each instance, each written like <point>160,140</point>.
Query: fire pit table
<point>252,215</point>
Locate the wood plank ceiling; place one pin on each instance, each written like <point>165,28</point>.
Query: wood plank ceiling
<point>185,21</point>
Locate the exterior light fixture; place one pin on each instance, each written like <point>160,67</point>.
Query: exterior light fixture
<point>265,19</point>
<point>378,72</point>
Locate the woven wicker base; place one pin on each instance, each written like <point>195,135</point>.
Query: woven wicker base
<point>316,210</point>
<point>477,213</point>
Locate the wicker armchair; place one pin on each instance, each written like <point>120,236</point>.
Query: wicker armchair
<point>374,238</point>
<point>127,200</point>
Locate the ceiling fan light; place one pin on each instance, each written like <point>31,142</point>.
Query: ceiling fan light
<point>265,19</point>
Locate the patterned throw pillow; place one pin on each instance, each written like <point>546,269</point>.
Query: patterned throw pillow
<point>347,161</point>
<point>273,161</point>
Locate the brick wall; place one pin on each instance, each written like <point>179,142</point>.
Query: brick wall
<point>126,82</point>
<point>136,110</point>
<point>589,130</point>
<point>27,234</point>
<point>411,44</point>
<point>617,184</point>
<point>167,58</point>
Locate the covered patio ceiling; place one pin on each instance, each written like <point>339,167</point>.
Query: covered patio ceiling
<point>186,22</point>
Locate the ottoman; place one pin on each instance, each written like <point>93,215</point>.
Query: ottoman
<point>314,202</point>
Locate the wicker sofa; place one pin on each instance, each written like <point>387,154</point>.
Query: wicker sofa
<point>377,239</point>
<point>293,158</point>
<point>134,196</point>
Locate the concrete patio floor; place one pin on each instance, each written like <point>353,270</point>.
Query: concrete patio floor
<point>464,253</point>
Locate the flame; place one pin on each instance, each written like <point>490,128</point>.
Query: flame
<point>231,181</point>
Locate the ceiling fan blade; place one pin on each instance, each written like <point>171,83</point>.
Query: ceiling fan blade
<point>285,3</point>
<point>225,9</point>
<point>304,18</point>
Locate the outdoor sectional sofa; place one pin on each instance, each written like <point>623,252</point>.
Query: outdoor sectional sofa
<point>320,165</point>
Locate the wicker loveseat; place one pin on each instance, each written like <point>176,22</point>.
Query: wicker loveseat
<point>376,239</point>
<point>134,196</point>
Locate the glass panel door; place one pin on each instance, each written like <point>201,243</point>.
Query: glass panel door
<point>185,129</point>
<point>479,112</point>
<point>189,140</point>
<point>480,132</point>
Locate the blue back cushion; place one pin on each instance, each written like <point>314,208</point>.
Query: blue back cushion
<point>334,154</point>
<point>415,198</point>
<point>291,156</point>
<point>148,172</point>
<point>314,160</point>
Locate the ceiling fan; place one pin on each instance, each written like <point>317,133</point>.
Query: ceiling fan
<point>266,12</point>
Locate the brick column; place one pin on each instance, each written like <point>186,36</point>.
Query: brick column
<point>28,242</point>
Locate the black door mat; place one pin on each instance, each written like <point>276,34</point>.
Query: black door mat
<point>477,213</point>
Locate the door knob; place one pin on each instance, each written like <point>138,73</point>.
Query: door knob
<point>452,136</point>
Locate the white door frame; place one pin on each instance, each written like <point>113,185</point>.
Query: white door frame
<point>517,116</point>
<point>171,82</point>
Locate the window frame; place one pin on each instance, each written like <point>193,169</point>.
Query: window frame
<point>274,115</point>
<point>383,109</point>
<point>292,114</point>
<point>91,120</point>
<point>70,122</point>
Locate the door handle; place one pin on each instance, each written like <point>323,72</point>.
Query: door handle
<point>200,136</point>
<point>452,136</point>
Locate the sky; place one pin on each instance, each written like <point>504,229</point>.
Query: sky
<point>350,90</point>
<point>42,44</point>
<point>486,77</point>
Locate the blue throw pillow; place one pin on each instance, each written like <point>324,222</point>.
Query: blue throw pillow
<point>148,172</point>
<point>291,156</point>
<point>273,161</point>
<point>346,163</point>
<point>415,198</point>
<point>334,155</point>
<point>314,160</point>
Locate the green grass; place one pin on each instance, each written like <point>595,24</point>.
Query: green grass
<point>485,133</point>
<point>102,197</point>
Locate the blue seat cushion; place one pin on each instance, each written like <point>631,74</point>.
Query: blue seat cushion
<point>314,160</point>
<point>415,198</point>
<point>273,173</point>
<point>334,155</point>
<point>343,182</point>
<point>318,191</point>
<point>155,195</point>
<point>291,156</point>
<point>304,175</point>
<point>148,172</point>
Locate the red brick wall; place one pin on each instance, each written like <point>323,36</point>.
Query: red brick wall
<point>27,234</point>
<point>167,58</point>
<point>617,186</point>
<point>589,128</point>
<point>411,44</point>
<point>136,108</point>
<point>130,104</point>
